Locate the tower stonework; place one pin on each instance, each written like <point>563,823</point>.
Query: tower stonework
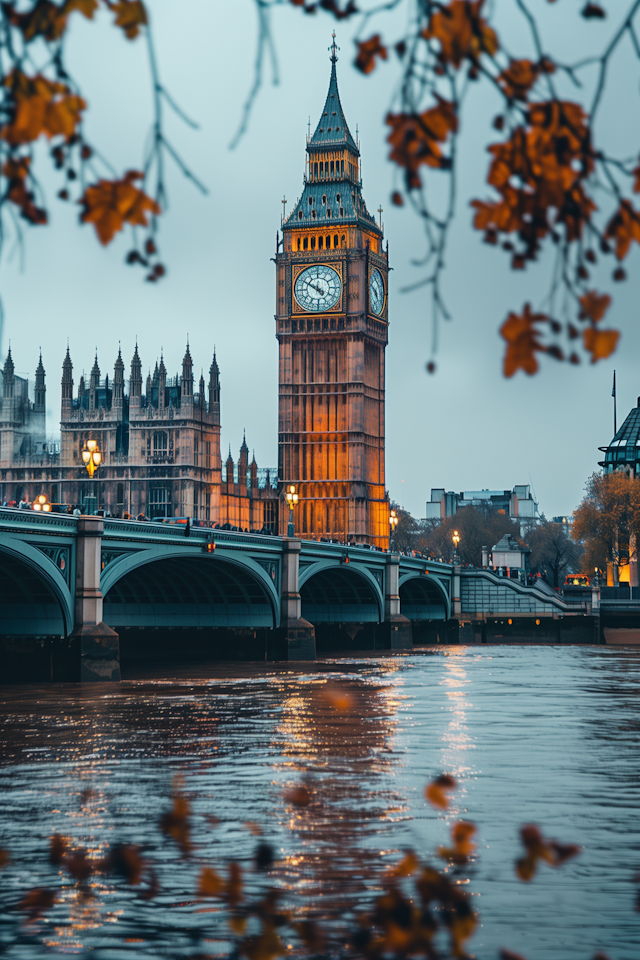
<point>332,326</point>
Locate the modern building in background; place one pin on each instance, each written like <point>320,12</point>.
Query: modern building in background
<point>332,323</point>
<point>160,447</point>
<point>623,453</point>
<point>517,503</point>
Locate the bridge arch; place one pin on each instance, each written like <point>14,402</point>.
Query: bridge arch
<point>333,592</point>
<point>34,597</point>
<point>166,587</point>
<point>423,598</point>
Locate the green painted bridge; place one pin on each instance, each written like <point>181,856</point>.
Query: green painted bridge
<point>94,588</point>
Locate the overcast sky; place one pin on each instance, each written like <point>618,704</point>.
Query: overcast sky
<point>465,428</point>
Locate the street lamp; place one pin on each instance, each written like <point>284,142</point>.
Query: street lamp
<point>456,541</point>
<point>42,503</point>
<point>91,456</point>
<point>393,523</point>
<point>292,499</point>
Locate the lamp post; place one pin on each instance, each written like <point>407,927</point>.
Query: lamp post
<point>92,458</point>
<point>41,503</point>
<point>393,523</point>
<point>292,499</point>
<point>456,541</point>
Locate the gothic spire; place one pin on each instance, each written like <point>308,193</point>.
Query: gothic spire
<point>332,129</point>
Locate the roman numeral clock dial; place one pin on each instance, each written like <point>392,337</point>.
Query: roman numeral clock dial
<point>317,288</point>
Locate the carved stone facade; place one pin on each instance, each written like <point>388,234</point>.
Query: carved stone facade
<point>331,325</point>
<point>160,449</point>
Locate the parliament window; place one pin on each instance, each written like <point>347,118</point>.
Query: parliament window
<point>160,443</point>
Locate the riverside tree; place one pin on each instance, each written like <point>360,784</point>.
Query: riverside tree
<point>607,522</point>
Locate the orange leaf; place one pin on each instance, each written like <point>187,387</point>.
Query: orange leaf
<point>594,305</point>
<point>368,50</point>
<point>337,697</point>
<point>624,227</point>
<point>210,884</point>
<point>461,32</point>
<point>600,343</point>
<point>518,78</point>
<point>522,341</point>
<point>298,796</point>
<point>110,204</point>
<point>415,138</point>
<point>130,15</point>
<point>435,791</point>
<point>35,901</point>
<point>5,859</point>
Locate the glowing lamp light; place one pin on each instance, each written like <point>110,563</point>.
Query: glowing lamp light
<point>91,456</point>
<point>292,498</point>
<point>42,504</point>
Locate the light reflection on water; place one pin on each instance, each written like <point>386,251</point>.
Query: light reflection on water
<point>533,734</point>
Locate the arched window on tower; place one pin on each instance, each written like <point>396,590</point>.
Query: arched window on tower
<point>299,214</point>
<point>335,240</point>
<point>299,243</point>
<point>332,168</point>
<point>342,167</point>
<point>343,242</point>
<point>328,242</point>
<point>320,243</point>
<point>313,243</point>
<point>315,170</point>
<point>304,244</point>
<point>313,215</point>
<point>321,168</point>
<point>324,199</point>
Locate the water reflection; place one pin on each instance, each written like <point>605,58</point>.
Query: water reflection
<point>532,734</point>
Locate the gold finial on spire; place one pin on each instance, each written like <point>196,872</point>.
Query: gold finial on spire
<point>334,48</point>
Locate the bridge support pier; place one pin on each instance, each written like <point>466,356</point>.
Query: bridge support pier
<point>396,628</point>
<point>299,634</point>
<point>99,644</point>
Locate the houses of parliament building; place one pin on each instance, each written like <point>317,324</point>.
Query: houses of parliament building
<point>160,440</point>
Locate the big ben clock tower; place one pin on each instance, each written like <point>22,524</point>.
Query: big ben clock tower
<point>331,325</point>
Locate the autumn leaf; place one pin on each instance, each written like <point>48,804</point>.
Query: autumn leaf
<point>125,860</point>
<point>518,78</point>
<point>36,901</point>
<point>210,884</point>
<point>110,204</point>
<point>538,848</point>
<point>461,32</point>
<point>130,16</point>
<point>415,138</point>
<point>298,796</point>
<point>624,227</point>
<point>463,846</point>
<point>600,343</point>
<point>177,823</point>
<point>337,697</point>
<point>521,335</point>
<point>5,859</point>
<point>594,305</point>
<point>368,50</point>
<point>435,792</point>
<point>405,867</point>
<point>41,107</point>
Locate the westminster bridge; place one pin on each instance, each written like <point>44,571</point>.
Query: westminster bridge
<point>79,592</point>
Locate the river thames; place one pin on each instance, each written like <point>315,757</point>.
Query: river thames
<point>532,734</point>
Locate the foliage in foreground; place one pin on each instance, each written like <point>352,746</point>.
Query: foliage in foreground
<point>554,182</point>
<point>41,102</point>
<point>421,910</point>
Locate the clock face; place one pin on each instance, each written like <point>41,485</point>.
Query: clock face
<point>376,292</point>
<point>317,288</point>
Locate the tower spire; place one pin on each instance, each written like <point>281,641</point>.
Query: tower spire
<point>334,49</point>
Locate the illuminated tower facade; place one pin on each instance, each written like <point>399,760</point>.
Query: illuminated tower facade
<point>332,324</point>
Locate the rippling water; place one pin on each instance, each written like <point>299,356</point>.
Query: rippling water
<point>533,734</point>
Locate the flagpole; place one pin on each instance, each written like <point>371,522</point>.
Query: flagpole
<point>615,416</point>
